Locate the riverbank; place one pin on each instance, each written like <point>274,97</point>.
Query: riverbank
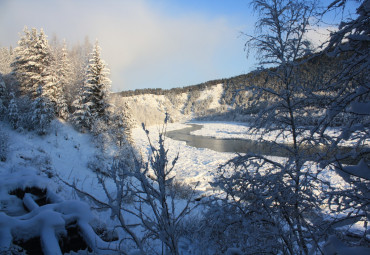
<point>194,165</point>
<point>200,164</point>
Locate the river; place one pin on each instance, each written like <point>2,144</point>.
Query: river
<point>225,145</point>
<point>241,145</point>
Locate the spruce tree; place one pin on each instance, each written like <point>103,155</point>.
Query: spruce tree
<point>81,117</point>
<point>97,84</point>
<point>65,75</point>
<point>35,66</point>
<point>53,90</point>
<point>41,60</point>
<point>42,113</point>
<point>2,98</point>
<point>32,57</point>
<point>92,104</point>
<point>128,121</point>
<point>121,124</point>
<point>13,113</point>
<point>6,57</point>
<point>21,64</point>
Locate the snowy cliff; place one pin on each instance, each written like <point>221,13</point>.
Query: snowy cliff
<point>151,108</point>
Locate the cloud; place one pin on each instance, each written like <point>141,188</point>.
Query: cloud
<point>144,45</point>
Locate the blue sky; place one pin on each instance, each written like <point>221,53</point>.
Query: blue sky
<point>146,43</point>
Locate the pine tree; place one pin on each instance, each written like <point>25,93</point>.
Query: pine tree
<point>21,64</point>
<point>35,66</point>
<point>42,113</point>
<point>81,117</point>
<point>79,58</point>
<point>13,113</point>
<point>92,104</point>
<point>6,57</point>
<point>41,59</point>
<point>65,75</point>
<point>128,121</point>
<point>32,57</point>
<point>97,85</point>
<point>121,124</point>
<point>2,97</point>
<point>53,90</point>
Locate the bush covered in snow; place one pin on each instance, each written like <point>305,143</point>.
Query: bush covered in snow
<point>4,145</point>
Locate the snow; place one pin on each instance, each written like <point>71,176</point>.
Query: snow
<point>66,153</point>
<point>214,92</point>
<point>39,161</point>
<point>151,109</point>
<point>235,130</point>
<point>194,165</point>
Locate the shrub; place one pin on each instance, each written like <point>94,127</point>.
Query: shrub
<point>4,144</point>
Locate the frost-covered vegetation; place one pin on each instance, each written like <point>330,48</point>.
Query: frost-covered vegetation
<point>74,169</point>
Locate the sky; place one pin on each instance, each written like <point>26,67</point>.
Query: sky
<point>146,43</point>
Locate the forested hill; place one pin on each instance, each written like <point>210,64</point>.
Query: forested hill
<point>240,79</point>
<point>226,99</point>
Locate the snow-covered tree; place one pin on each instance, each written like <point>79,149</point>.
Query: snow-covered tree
<point>49,80</point>
<point>41,60</point>
<point>351,91</point>
<point>279,194</point>
<point>122,123</point>
<point>21,66</point>
<point>81,117</point>
<point>79,58</point>
<point>2,97</point>
<point>32,57</point>
<point>53,91</point>
<point>4,145</point>
<point>276,199</point>
<point>6,58</point>
<point>97,85</point>
<point>35,66</point>
<point>13,113</point>
<point>158,210</point>
<point>350,102</point>
<point>43,113</point>
<point>65,75</point>
<point>93,99</point>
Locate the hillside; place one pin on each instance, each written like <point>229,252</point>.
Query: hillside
<point>151,108</point>
<point>228,99</point>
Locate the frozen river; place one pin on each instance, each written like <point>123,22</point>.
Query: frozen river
<point>242,145</point>
<point>225,144</point>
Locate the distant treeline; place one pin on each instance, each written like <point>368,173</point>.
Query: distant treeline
<point>315,70</point>
<point>159,91</point>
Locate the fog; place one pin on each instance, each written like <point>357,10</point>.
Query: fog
<point>147,43</point>
<point>144,44</point>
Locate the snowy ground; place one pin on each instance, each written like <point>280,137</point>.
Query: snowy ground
<point>194,165</point>
<point>67,153</point>
<point>64,152</point>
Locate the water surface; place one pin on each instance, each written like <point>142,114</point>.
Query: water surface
<point>245,145</point>
<point>225,145</point>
